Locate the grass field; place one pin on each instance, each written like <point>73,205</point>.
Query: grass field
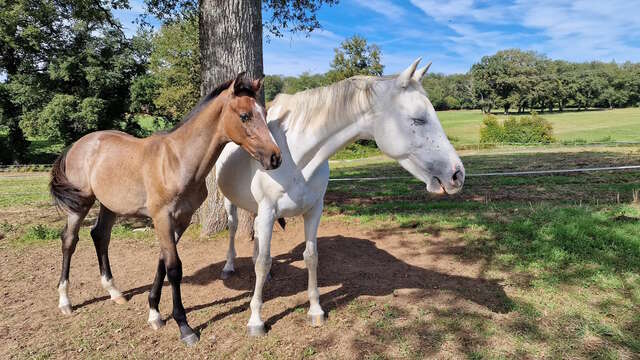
<point>592,126</point>
<point>513,267</point>
<point>463,128</point>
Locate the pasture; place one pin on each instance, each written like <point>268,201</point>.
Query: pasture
<point>512,267</point>
<point>590,126</point>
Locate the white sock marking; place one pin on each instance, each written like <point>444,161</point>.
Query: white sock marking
<point>108,285</point>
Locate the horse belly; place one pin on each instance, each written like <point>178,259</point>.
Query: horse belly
<point>297,201</point>
<point>117,182</point>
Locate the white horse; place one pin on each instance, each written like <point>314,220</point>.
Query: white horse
<point>311,126</point>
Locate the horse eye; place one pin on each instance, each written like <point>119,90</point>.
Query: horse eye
<point>245,117</point>
<point>418,121</point>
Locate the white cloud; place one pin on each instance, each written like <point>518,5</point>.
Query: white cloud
<point>586,29</point>
<point>383,7</point>
<point>574,30</point>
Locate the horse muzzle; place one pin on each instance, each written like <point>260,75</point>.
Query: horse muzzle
<point>271,162</point>
<point>449,185</point>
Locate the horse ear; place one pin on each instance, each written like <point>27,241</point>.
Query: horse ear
<point>419,74</point>
<point>256,84</point>
<point>238,83</point>
<point>405,76</point>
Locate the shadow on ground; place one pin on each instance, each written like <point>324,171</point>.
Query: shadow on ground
<point>359,268</point>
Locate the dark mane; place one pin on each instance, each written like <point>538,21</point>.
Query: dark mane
<point>244,86</point>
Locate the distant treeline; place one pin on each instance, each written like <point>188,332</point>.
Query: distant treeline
<point>512,80</point>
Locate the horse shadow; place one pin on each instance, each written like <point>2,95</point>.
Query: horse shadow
<point>357,267</point>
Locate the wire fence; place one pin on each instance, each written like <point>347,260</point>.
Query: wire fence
<point>503,173</point>
<point>469,146</point>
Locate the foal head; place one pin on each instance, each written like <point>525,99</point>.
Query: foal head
<point>243,121</point>
<point>408,130</point>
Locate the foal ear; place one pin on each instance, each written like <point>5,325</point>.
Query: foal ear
<point>238,84</point>
<point>256,84</point>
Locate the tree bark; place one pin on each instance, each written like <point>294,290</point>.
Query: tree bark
<point>230,42</point>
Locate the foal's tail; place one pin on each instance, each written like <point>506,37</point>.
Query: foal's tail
<point>65,195</point>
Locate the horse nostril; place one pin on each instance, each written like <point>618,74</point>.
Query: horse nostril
<point>275,160</point>
<point>457,177</point>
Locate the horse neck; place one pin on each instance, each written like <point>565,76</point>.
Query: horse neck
<point>199,141</point>
<point>311,146</point>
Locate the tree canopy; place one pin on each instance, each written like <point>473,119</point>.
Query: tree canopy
<point>355,57</point>
<point>68,69</point>
<point>171,87</point>
<point>515,79</point>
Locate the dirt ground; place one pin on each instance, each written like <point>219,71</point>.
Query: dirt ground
<point>366,277</point>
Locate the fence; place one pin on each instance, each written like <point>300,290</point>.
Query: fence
<point>459,147</point>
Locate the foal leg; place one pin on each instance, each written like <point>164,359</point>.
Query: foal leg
<point>69,240</point>
<point>101,234</point>
<point>173,266</point>
<point>311,222</point>
<point>263,227</point>
<point>155,319</point>
<point>232,220</point>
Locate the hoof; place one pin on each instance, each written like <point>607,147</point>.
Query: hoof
<point>316,320</point>
<point>66,309</point>
<point>255,330</point>
<point>120,300</point>
<point>226,274</point>
<point>190,339</point>
<point>157,324</point>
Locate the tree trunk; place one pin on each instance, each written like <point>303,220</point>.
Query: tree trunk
<point>230,42</point>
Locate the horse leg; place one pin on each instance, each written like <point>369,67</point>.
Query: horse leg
<point>232,220</point>
<point>101,235</point>
<point>255,247</point>
<point>263,227</point>
<point>155,320</point>
<point>311,222</point>
<point>69,240</point>
<point>166,236</point>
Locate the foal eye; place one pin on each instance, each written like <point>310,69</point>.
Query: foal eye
<point>245,117</point>
<point>418,121</point>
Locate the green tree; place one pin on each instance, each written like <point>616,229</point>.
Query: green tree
<point>304,82</point>
<point>175,69</point>
<point>506,79</point>
<point>273,85</point>
<point>72,50</point>
<point>355,57</point>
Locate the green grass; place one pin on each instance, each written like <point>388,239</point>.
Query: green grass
<point>591,126</point>
<point>18,189</point>
<point>570,128</point>
<point>356,151</point>
<point>568,250</point>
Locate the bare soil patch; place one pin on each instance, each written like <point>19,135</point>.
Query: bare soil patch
<point>386,293</point>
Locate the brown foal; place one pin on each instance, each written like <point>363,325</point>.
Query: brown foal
<point>162,177</point>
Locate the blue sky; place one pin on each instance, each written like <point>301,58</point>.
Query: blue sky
<point>455,34</point>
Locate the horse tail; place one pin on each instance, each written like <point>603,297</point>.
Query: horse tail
<point>282,223</point>
<point>65,195</point>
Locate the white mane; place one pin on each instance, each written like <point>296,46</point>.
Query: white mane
<point>317,108</point>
